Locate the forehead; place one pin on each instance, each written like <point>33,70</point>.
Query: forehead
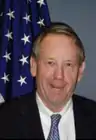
<point>54,44</point>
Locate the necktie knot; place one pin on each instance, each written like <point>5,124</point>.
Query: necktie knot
<point>55,119</point>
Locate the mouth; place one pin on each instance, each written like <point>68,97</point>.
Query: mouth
<point>57,87</point>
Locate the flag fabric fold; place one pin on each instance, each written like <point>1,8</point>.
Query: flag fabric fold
<point>20,23</point>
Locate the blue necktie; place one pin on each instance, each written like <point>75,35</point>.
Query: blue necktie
<point>54,132</point>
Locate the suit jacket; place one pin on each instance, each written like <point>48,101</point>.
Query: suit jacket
<point>20,118</point>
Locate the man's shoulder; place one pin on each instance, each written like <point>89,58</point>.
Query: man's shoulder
<point>17,116</point>
<point>17,103</point>
<point>84,104</point>
<point>84,100</point>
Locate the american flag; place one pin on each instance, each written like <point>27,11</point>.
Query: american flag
<point>20,22</point>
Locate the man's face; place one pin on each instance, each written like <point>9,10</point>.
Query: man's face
<point>57,70</point>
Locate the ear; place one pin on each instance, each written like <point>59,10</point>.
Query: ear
<point>33,66</point>
<point>81,71</point>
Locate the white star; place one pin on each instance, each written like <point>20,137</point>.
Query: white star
<point>5,78</point>
<point>25,39</point>
<point>41,2</point>
<point>41,22</point>
<point>7,56</point>
<point>10,14</point>
<point>24,60</point>
<point>9,35</point>
<point>1,99</point>
<point>29,1</point>
<point>1,14</point>
<point>27,18</point>
<point>22,80</point>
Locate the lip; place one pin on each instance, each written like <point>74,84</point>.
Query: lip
<point>57,87</point>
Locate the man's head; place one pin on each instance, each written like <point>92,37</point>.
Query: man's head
<point>57,62</point>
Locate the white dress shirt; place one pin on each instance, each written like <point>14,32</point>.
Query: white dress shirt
<point>66,124</point>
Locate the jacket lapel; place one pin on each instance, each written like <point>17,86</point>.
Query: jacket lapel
<point>77,118</point>
<point>81,118</point>
<point>31,121</point>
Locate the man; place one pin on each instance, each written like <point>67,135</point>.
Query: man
<point>58,62</point>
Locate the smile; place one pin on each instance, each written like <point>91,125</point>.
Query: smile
<point>57,87</point>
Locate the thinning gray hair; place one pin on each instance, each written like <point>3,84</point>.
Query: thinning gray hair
<point>59,28</point>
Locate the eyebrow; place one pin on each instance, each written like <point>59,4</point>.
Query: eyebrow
<point>67,60</point>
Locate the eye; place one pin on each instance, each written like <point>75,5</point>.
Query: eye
<point>51,63</point>
<point>69,64</point>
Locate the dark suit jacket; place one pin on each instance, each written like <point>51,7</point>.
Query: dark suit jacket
<point>19,118</point>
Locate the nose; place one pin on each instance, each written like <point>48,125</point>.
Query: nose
<point>59,73</point>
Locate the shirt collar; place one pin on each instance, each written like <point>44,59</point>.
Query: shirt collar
<point>44,110</point>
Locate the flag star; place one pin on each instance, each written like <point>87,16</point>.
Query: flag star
<point>22,80</point>
<point>27,18</point>
<point>7,56</point>
<point>9,35</point>
<point>1,98</point>
<point>25,39</point>
<point>41,2</point>
<point>5,78</point>
<point>29,1</point>
<point>24,60</point>
<point>41,22</point>
<point>10,14</point>
<point>1,14</point>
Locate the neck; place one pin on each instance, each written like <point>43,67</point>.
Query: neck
<point>54,107</point>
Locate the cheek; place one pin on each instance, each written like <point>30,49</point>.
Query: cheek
<point>71,76</point>
<point>44,73</point>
